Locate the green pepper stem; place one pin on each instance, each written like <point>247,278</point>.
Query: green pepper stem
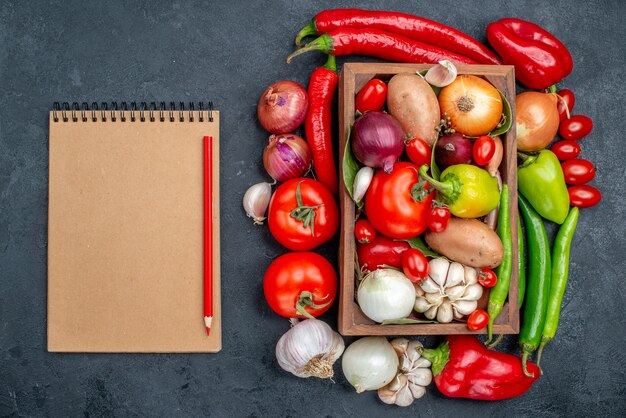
<point>496,342</point>
<point>438,357</point>
<point>445,188</point>
<point>526,351</point>
<point>493,309</point>
<point>331,63</point>
<point>308,30</point>
<point>544,340</point>
<point>552,89</point>
<point>323,43</point>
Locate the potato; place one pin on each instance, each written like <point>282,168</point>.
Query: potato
<point>412,101</point>
<point>468,241</point>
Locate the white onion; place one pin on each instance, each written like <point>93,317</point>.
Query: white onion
<point>370,363</point>
<point>386,294</point>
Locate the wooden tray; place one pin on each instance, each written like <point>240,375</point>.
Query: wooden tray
<point>352,321</point>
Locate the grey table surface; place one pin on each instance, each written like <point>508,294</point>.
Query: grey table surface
<point>229,51</point>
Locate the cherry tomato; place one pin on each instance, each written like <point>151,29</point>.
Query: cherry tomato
<point>382,251</point>
<point>578,171</point>
<point>364,231</point>
<point>305,224</point>
<point>567,98</point>
<point>419,152</point>
<point>372,96</point>
<point>394,206</point>
<point>483,150</point>
<point>414,265</point>
<point>566,150</point>
<point>487,278</point>
<point>575,127</point>
<point>300,282</point>
<point>584,196</point>
<point>477,320</point>
<point>438,217</point>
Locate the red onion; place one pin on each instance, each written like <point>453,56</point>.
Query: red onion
<point>377,140</point>
<point>453,149</point>
<point>282,107</point>
<point>287,156</point>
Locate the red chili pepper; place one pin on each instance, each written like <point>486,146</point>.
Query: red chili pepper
<point>381,44</point>
<point>413,27</point>
<point>464,368</point>
<point>540,59</point>
<point>317,123</point>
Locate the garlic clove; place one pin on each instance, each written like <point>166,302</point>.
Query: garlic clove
<point>431,313</point>
<point>256,200</point>
<point>457,315</point>
<point>453,293</point>
<point>472,292</point>
<point>418,289</point>
<point>404,397</point>
<point>362,183</point>
<point>421,362</point>
<point>465,307</point>
<point>421,376</point>
<point>438,270</point>
<point>441,74</point>
<point>444,314</point>
<point>471,275</point>
<point>417,391</point>
<point>429,286</point>
<point>456,274</point>
<point>400,345</point>
<point>434,298</point>
<point>421,304</point>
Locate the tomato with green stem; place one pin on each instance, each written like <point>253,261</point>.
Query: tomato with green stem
<point>438,217</point>
<point>487,278</point>
<point>364,232</point>
<point>372,96</point>
<point>414,265</point>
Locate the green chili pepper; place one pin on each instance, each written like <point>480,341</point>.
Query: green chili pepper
<point>540,180</point>
<point>469,191</point>
<point>538,284</point>
<point>521,264</point>
<point>499,293</point>
<point>560,267</point>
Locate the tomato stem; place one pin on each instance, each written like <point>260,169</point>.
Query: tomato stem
<point>303,213</point>
<point>306,299</point>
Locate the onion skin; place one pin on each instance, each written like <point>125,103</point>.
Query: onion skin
<point>536,120</point>
<point>377,140</point>
<point>453,149</point>
<point>282,107</point>
<point>286,157</point>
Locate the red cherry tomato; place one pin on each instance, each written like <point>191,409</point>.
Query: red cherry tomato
<point>575,127</point>
<point>566,150</point>
<point>382,251</point>
<point>364,231</point>
<point>438,218</point>
<point>372,96</point>
<point>578,171</point>
<point>414,265</point>
<point>584,196</point>
<point>419,152</point>
<point>487,278</point>
<point>477,320</point>
<point>300,282</point>
<point>483,150</point>
<point>567,98</point>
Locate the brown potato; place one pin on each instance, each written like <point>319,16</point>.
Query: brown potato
<point>412,101</point>
<point>468,241</point>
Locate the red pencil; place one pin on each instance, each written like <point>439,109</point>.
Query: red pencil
<point>208,233</point>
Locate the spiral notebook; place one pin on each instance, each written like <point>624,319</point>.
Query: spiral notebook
<point>125,228</point>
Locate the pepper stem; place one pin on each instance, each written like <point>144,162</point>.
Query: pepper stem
<point>525,354</point>
<point>323,43</point>
<point>306,299</point>
<point>308,30</point>
<point>496,342</point>
<point>446,189</point>
<point>438,357</point>
<point>544,340</point>
<point>331,63</point>
<point>552,89</point>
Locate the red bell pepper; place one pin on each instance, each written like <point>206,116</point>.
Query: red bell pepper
<point>464,368</point>
<point>540,59</point>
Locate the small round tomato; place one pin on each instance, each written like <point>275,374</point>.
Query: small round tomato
<point>300,284</point>
<point>566,98</point>
<point>584,196</point>
<point>438,217</point>
<point>302,214</point>
<point>566,150</point>
<point>483,150</point>
<point>477,320</point>
<point>487,278</point>
<point>382,251</point>
<point>364,231</point>
<point>414,265</point>
<point>372,96</point>
<point>578,171</point>
<point>419,152</point>
<point>575,127</point>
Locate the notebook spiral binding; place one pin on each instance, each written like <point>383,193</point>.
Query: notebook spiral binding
<point>144,111</point>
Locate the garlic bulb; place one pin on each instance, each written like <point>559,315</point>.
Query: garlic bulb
<point>414,374</point>
<point>256,200</point>
<point>369,363</point>
<point>442,74</point>
<point>450,291</point>
<point>386,294</point>
<point>309,348</point>
<point>362,182</point>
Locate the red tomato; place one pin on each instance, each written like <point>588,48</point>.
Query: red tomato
<point>364,231</point>
<point>477,320</point>
<point>584,196</point>
<point>394,206</point>
<point>483,150</point>
<point>438,218</point>
<point>578,171</point>
<point>300,282</point>
<point>372,96</point>
<point>414,265</point>
<point>566,150</point>
<point>419,152</point>
<point>382,251</point>
<point>487,278</point>
<point>567,98</point>
<point>575,127</point>
<point>304,225</point>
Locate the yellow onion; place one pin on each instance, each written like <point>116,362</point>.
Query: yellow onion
<point>536,120</point>
<point>287,156</point>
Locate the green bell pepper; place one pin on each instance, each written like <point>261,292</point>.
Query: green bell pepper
<point>540,180</point>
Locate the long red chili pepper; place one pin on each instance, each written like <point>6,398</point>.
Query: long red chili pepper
<point>413,27</point>
<point>317,123</point>
<point>381,44</point>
